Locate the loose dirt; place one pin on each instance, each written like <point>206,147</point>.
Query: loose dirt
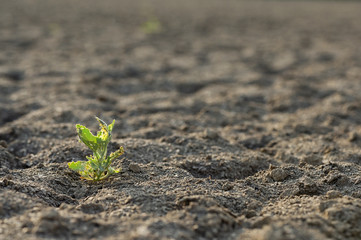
<point>240,120</point>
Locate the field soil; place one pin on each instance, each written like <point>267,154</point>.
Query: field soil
<point>240,120</point>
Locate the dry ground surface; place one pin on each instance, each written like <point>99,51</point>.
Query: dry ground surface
<point>240,120</point>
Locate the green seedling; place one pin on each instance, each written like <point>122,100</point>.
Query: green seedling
<point>98,165</point>
<point>152,26</point>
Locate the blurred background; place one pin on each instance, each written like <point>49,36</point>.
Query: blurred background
<point>123,58</point>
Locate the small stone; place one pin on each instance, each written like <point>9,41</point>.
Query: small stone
<point>134,168</point>
<point>279,174</point>
<point>333,194</point>
<point>307,186</point>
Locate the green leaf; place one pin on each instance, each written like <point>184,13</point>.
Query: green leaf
<point>77,166</point>
<point>110,126</point>
<point>90,158</point>
<point>93,165</point>
<point>112,170</point>
<point>87,137</point>
<point>101,122</point>
<point>103,136</point>
<point>115,170</point>
<point>116,154</point>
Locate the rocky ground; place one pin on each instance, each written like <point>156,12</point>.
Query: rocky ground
<point>240,120</point>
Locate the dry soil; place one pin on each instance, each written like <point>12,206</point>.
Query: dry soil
<point>240,120</point>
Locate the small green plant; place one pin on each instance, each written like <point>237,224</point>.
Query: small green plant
<point>151,26</point>
<point>98,165</point>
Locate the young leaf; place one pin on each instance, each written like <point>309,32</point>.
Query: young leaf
<point>77,166</point>
<point>116,154</point>
<point>110,126</point>
<point>101,122</point>
<point>112,170</point>
<point>87,137</point>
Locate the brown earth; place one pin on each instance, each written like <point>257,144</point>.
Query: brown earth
<point>240,120</point>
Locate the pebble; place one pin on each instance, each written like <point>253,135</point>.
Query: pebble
<point>308,186</point>
<point>279,174</point>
